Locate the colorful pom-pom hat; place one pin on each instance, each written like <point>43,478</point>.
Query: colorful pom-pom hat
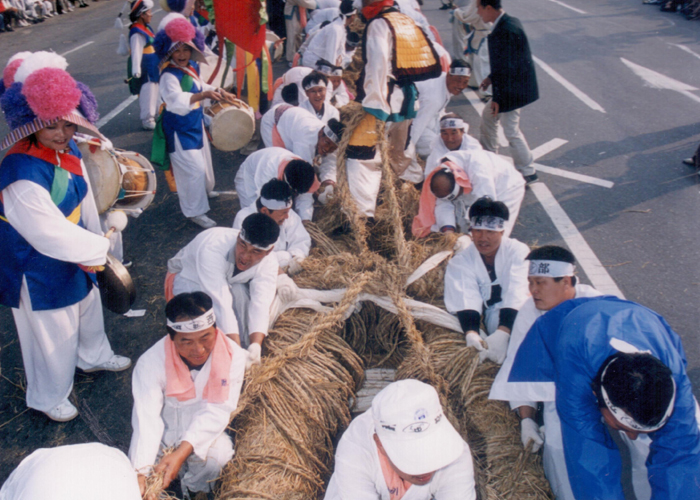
<point>41,92</point>
<point>174,31</point>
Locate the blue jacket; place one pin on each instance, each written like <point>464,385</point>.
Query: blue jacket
<point>567,346</point>
<point>189,127</point>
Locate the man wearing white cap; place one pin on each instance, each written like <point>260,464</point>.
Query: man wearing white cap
<point>552,281</point>
<point>403,448</point>
<point>238,270</point>
<point>329,42</point>
<point>294,242</point>
<point>316,88</point>
<point>453,137</point>
<point>185,388</point>
<point>489,275</point>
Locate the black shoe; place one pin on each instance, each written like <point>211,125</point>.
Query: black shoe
<point>531,179</point>
<point>9,29</point>
<point>446,6</point>
<point>689,161</point>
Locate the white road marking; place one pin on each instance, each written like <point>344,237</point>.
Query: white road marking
<point>547,148</point>
<point>573,175</point>
<point>109,116</point>
<point>569,86</point>
<point>568,6</point>
<point>479,106</point>
<point>77,48</point>
<point>686,49</point>
<point>585,256</point>
<point>662,82</point>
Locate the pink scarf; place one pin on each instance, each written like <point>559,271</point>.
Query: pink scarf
<point>397,486</point>
<point>426,209</point>
<point>179,383</point>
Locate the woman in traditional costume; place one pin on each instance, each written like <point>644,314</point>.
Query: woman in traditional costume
<point>143,63</point>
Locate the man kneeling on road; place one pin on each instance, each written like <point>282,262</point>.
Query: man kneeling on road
<point>185,388</point>
<point>403,448</point>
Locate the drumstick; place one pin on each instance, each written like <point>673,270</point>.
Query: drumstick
<point>109,233</point>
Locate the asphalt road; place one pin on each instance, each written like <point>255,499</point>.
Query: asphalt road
<point>642,230</point>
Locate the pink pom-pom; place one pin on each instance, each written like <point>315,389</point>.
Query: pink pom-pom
<point>8,74</point>
<point>51,93</point>
<point>180,30</point>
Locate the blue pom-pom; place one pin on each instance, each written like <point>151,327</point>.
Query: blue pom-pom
<point>177,5</point>
<point>15,106</point>
<point>161,44</point>
<point>199,40</point>
<point>88,103</point>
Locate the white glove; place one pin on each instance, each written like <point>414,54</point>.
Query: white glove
<point>294,266</point>
<point>287,290</point>
<point>498,347</point>
<point>474,340</point>
<point>530,431</point>
<point>326,194</point>
<point>254,351</point>
<point>462,243</point>
<point>106,144</point>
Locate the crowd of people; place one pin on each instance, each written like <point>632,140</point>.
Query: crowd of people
<point>593,368</point>
<point>22,13</point>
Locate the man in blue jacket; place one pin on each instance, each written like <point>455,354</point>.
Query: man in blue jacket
<point>617,363</point>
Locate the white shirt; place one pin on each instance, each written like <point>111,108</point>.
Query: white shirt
<point>319,16</point>
<point>293,75</point>
<point>358,474</point>
<point>294,241</point>
<point>433,97</point>
<point>137,42</point>
<point>439,150</point>
<point>340,94</point>
<point>157,418</point>
<point>329,111</point>
<point>468,285</point>
<point>328,44</point>
<point>177,101</point>
<point>208,262</point>
<point>262,166</point>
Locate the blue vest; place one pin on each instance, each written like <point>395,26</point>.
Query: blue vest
<point>149,59</point>
<point>189,127</point>
<point>52,283</point>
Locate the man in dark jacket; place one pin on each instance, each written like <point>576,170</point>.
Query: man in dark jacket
<point>514,85</point>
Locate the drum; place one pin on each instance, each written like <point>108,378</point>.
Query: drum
<point>232,125</point>
<point>117,290</point>
<point>119,179</point>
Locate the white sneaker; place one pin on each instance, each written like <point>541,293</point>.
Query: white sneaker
<point>204,221</point>
<point>115,364</point>
<point>149,124</point>
<point>213,194</point>
<point>63,412</point>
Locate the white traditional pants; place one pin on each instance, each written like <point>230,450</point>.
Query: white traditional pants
<point>54,342</point>
<point>364,181</point>
<point>194,176</point>
<point>148,101</point>
<point>522,157</point>
<point>199,475</point>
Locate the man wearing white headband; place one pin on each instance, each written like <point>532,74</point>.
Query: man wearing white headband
<point>337,88</point>
<point>329,42</point>
<point>616,368</point>
<point>453,137</point>
<point>316,88</point>
<point>552,281</point>
<point>185,388</point>
<point>294,242</point>
<point>238,270</point>
<point>488,278</point>
<point>292,76</point>
<point>433,97</point>
<point>404,447</point>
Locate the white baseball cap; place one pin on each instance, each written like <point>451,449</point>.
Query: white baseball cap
<point>415,433</point>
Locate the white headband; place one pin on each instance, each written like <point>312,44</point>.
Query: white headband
<point>488,223</point>
<point>451,123</point>
<point>622,417</point>
<point>460,71</point>
<point>243,236</point>
<point>551,268</point>
<point>330,134</point>
<point>328,71</point>
<point>319,83</point>
<point>276,204</point>
<point>194,325</point>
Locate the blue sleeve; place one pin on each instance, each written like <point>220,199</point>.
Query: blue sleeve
<point>19,166</point>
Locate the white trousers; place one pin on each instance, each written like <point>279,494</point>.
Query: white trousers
<point>364,181</point>
<point>241,305</point>
<point>54,342</point>
<point>148,101</point>
<point>293,26</point>
<point>194,176</point>
<point>522,157</point>
<point>199,475</point>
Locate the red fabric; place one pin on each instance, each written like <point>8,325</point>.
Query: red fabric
<point>295,61</point>
<point>64,160</point>
<point>277,138</point>
<point>239,22</point>
<point>426,208</point>
<point>302,17</point>
<point>397,486</point>
<point>445,62</point>
<point>375,8</point>
<point>143,28</point>
<point>436,34</point>
<point>169,284</point>
<point>179,383</point>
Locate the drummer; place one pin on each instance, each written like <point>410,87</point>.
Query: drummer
<point>143,62</point>
<point>180,47</point>
<point>294,242</point>
<point>316,87</point>
<point>238,270</point>
<point>51,243</point>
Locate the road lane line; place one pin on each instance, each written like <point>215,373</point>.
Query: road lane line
<point>659,81</point>
<point>122,106</point>
<point>547,148</point>
<point>568,7</point>
<point>479,106</point>
<point>686,49</point>
<point>569,86</point>
<point>587,259</point>
<point>77,48</point>
<point>573,175</point>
